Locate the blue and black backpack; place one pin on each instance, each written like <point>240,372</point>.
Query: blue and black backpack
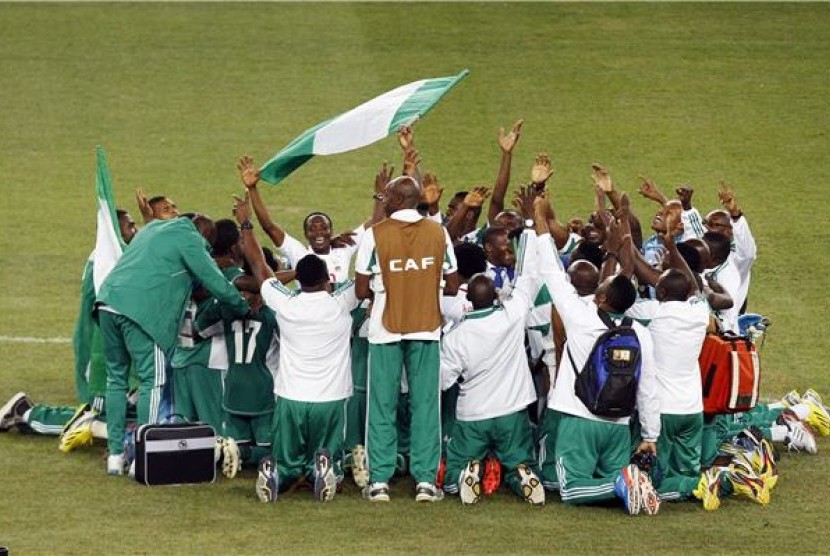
<point>607,384</point>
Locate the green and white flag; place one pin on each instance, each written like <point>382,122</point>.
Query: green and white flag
<point>361,126</point>
<point>90,367</point>
<point>108,242</point>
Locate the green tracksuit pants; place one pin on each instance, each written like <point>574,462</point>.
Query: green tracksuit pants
<point>302,428</point>
<point>589,457</point>
<point>356,417</point>
<point>386,362</point>
<point>125,343</point>
<point>678,453</point>
<point>508,436</point>
<point>197,392</point>
<point>50,420</point>
<point>547,449</point>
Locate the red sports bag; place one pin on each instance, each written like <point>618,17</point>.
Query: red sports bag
<point>730,372</point>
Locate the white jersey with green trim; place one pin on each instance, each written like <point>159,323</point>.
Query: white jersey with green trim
<point>583,326</point>
<point>727,276</point>
<point>338,259</point>
<point>315,336</point>
<point>486,349</point>
<point>678,329</point>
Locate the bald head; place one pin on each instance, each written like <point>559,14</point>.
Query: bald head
<point>402,193</point>
<point>584,277</point>
<point>481,292</point>
<point>720,222</point>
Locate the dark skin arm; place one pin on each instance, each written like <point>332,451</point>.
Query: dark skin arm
<point>676,260</point>
<point>361,286</point>
<point>475,198</point>
<point>251,249</point>
<point>642,270</point>
<point>250,178</point>
<point>431,193</point>
<point>717,296</point>
<point>507,141</point>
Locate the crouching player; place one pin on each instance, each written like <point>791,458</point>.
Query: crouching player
<point>247,402</point>
<point>314,380</point>
<point>486,349</point>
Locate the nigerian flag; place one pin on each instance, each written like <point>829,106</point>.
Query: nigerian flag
<point>108,242</point>
<point>90,367</point>
<point>370,122</point>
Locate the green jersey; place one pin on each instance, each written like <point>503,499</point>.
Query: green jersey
<point>252,347</point>
<point>191,349</point>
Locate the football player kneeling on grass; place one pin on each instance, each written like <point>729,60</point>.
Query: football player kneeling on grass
<point>593,450</point>
<point>314,379</point>
<point>486,349</point>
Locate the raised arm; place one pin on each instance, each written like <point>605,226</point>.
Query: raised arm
<point>649,190</point>
<point>250,177</point>
<point>143,206</point>
<point>507,142</point>
<point>411,156</point>
<point>745,248</point>
<point>251,249</point>
<point>676,260</point>
<point>431,193</point>
<point>381,179</point>
<point>473,199</point>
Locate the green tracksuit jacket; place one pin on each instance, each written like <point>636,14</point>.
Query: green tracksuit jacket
<point>152,281</point>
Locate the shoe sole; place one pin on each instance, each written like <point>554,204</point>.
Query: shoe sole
<point>532,488</point>
<point>360,472</point>
<point>325,483</point>
<point>649,500</point>
<point>267,484</point>
<point>230,458</point>
<point>7,418</point>
<point>469,488</point>
<point>631,477</point>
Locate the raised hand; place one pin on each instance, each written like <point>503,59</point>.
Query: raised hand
<point>411,160</point>
<point>406,137</point>
<point>248,172</point>
<point>602,179</point>
<point>649,190</point>
<point>541,206</point>
<point>383,177</point>
<point>143,206</point>
<point>684,194</point>
<point>524,201</point>
<point>542,170</point>
<point>727,198</point>
<point>430,191</point>
<point>613,237</point>
<point>476,196</point>
<point>242,208</point>
<point>507,141</point>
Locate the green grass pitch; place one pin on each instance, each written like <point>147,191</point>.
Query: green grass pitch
<point>174,93</point>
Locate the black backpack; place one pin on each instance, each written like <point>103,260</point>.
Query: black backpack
<point>607,384</point>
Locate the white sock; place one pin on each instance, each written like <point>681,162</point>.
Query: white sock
<point>778,433</point>
<point>99,429</point>
<point>801,410</point>
<point>26,415</point>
